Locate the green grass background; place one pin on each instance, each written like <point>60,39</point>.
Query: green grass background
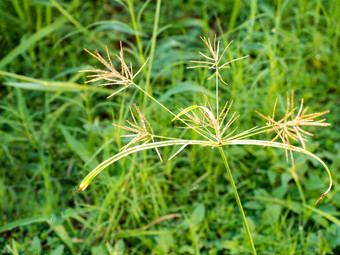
<point>54,130</point>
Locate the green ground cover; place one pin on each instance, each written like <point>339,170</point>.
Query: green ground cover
<point>54,129</point>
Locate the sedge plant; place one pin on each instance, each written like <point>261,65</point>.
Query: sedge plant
<point>214,124</point>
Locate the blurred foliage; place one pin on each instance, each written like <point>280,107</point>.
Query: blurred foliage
<point>54,131</point>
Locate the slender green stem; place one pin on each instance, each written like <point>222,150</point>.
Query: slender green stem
<point>217,92</point>
<point>252,16</point>
<point>237,199</point>
<point>153,99</point>
<point>298,184</point>
<point>135,28</point>
<point>152,50</point>
<point>167,109</point>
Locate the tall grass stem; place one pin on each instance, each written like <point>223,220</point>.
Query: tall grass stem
<point>135,28</point>
<point>225,161</point>
<point>167,109</point>
<point>152,50</point>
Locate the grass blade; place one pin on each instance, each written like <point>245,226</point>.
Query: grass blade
<point>23,222</point>
<point>87,180</point>
<point>324,214</point>
<point>36,84</point>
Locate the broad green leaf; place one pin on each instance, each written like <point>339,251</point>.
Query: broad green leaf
<point>59,250</point>
<point>186,249</point>
<point>198,214</point>
<point>35,247</point>
<point>164,242</point>
<point>119,247</point>
<point>78,147</point>
<point>99,249</point>
<point>64,236</point>
<point>14,248</point>
<point>272,213</point>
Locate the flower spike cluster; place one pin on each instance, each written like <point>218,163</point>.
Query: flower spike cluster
<point>209,124</point>
<point>213,62</point>
<point>142,132</point>
<point>290,126</point>
<point>112,76</point>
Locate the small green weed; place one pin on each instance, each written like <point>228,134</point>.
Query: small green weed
<point>211,123</point>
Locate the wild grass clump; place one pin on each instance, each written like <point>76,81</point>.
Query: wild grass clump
<point>214,124</point>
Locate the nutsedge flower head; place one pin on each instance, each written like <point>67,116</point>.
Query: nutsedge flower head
<point>213,62</point>
<point>290,126</point>
<point>112,76</point>
<point>142,132</point>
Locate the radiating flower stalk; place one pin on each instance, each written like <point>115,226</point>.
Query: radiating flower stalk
<point>213,126</point>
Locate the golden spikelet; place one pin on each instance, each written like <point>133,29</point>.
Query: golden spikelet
<point>290,126</point>
<point>209,124</point>
<point>142,132</point>
<point>213,62</point>
<point>112,76</point>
